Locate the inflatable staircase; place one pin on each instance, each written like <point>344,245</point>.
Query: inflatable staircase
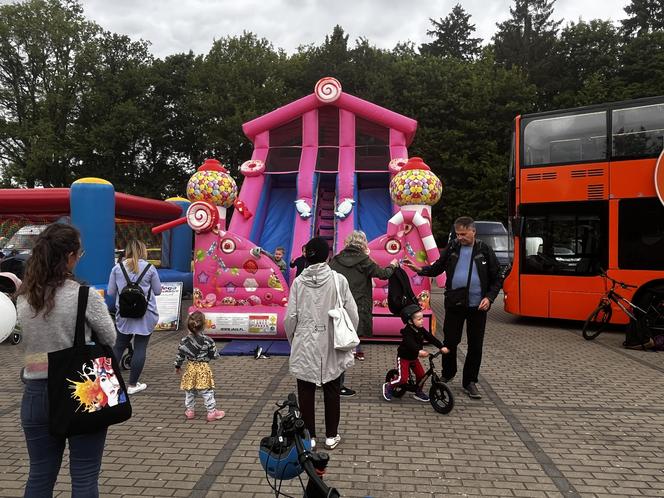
<point>325,216</point>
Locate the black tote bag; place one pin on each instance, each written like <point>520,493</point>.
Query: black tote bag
<point>86,392</point>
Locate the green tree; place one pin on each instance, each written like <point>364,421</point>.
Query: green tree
<point>642,67</point>
<point>644,16</point>
<point>453,37</point>
<point>46,53</point>
<point>238,80</point>
<point>590,54</point>
<point>113,128</point>
<point>528,40</point>
<point>464,112</point>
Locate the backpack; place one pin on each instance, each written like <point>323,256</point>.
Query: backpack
<point>132,302</point>
<point>399,292</point>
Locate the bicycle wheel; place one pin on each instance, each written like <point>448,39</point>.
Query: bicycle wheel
<point>397,391</point>
<point>597,321</point>
<point>125,362</point>
<point>654,317</point>
<point>441,397</point>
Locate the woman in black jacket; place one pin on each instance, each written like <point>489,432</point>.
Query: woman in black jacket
<point>354,263</point>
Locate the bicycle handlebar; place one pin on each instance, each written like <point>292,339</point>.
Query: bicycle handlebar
<point>624,285</point>
<point>316,486</point>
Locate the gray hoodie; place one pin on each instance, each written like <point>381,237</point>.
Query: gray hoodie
<point>309,328</point>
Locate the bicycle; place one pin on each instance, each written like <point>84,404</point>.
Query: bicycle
<point>440,396</point>
<point>287,452</point>
<point>652,318</point>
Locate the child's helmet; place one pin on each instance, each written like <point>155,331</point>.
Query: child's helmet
<point>409,311</point>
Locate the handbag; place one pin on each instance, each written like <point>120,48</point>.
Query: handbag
<point>458,298</point>
<point>345,335</point>
<point>86,392</point>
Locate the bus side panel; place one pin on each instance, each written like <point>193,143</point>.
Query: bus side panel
<point>577,305</point>
<point>565,183</point>
<point>631,179</point>
<point>534,293</point>
<point>570,298</point>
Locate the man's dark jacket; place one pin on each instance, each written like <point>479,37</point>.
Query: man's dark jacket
<point>485,261</point>
<point>359,269</point>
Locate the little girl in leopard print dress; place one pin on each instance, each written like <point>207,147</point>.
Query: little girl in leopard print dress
<point>197,378</point>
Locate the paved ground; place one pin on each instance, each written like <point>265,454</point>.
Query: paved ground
<point>560,417</point>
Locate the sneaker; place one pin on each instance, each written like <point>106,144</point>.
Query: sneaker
<point>137,388</point>
<point>359,356</point>
<point>215,415</point>
<point>347,392</point>
<point>189,414</point>
<point>332,442</point>
<point>471,391</point>
<point>421,396</point>
<point>446,380</point>
<point>387,391</point>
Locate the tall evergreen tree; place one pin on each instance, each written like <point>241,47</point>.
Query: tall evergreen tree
<point>453,37</point>
<point>645,16</point>
<point>528,40</point>
<point>590,55</point>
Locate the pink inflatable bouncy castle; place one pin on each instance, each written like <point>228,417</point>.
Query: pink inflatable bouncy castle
<point>323,165</point>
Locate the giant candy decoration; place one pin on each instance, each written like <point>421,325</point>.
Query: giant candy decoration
<point>293,190</point>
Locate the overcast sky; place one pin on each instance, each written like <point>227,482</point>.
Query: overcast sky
<point>174,26</point>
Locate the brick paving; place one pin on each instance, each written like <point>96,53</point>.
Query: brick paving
<point>560,416</point>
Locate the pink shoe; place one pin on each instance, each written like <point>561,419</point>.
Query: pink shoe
<point>189,414</point>
<point>215,415</point>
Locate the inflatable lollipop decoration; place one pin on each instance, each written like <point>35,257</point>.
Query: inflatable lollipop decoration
<point>211,190</point>
<point>327,90</point>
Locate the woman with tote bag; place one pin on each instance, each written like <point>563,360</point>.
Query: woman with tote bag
<point>314,361</point>
<point>45,302</point>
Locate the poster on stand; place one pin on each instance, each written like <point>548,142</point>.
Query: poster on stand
<point>241,323</point>
<point>169,303</point>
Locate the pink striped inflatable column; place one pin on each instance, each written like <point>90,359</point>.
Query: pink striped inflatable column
<point>346,175</point>
<point>305,181</point>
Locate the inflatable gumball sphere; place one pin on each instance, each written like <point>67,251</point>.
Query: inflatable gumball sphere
<point>7,317</point>
<point>212,183</point>
<point>415,184</point>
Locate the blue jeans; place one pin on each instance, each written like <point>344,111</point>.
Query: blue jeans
<point>138,358</point>
<point>45,451</point>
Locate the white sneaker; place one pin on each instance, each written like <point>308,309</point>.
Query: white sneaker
<point>332,442</point>
<point>137,388</point>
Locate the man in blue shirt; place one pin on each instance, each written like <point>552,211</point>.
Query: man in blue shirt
<point>473,282</point>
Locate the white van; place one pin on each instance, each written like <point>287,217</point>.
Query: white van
<point>24,240</point>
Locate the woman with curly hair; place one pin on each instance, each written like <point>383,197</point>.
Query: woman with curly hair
<point>45,302</point>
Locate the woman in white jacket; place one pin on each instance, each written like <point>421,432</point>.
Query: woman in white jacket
<point>313,360</point>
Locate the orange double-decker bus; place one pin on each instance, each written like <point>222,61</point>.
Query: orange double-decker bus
<point>583,196</point>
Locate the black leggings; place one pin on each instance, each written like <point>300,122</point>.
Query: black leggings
<point>306,395</point>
